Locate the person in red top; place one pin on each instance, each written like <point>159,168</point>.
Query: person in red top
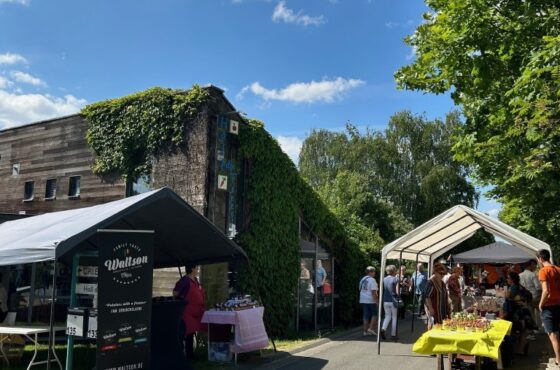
<point>189,289</point>
<point>549,276</point>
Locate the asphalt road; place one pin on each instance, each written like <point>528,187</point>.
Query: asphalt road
<point>357,352</point>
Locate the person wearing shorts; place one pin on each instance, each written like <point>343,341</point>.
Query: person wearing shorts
<point>368,300</point>
<point>549,305</point>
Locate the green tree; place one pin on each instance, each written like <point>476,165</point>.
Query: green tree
<point>390,180</point>
<point>500,60</point>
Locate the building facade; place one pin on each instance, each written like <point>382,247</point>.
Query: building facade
<point>46,167</point>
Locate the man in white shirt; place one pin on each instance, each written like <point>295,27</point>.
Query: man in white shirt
<point>529,280</point>
<point>369,298</point>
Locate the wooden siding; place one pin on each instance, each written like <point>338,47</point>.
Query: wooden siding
<point>55,149</point>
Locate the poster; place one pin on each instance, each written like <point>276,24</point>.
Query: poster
<point>124,299</point>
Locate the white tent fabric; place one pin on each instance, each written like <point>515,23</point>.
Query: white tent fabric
<point>432,239</point>
<point>34,239</point>
<point>182,234</point>
<point>498,252</point>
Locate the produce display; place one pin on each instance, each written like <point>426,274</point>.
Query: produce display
<point>237,303</point>
<point>462,321</point>
<point>486,305</point>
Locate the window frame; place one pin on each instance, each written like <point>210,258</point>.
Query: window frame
<point>29,199</point>
<point>53,197</point>
<point>76,195</point>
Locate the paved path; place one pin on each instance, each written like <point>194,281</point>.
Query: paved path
<point>356,352</point>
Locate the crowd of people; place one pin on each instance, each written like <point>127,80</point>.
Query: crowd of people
<point>531,299</point>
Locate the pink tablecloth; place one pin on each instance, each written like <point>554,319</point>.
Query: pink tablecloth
<point>250,333</point>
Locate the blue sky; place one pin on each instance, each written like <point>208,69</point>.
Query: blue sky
<point>296,65</point>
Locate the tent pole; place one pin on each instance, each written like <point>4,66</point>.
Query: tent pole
<point>51,321</point>
<point>380,305</point>
<point>32,293</point>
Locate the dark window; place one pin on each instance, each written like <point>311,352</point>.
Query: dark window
<point>50,189</point>
<point>29,191</point>
<point>74,187</point>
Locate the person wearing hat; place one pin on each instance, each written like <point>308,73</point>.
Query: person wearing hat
<point>189,289</point>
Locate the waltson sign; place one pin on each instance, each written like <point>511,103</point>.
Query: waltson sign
<point>124,299</point>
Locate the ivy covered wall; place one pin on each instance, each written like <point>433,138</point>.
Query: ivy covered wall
<point>276,196</point>
<point>132,133</point>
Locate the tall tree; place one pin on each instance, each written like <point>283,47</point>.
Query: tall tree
<point>501,62</point>
<point>390,180</point>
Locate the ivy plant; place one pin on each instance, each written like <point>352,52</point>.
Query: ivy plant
<point>128,132</point>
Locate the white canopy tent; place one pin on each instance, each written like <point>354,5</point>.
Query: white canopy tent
<point>498,252</point>
<point>432,239</point>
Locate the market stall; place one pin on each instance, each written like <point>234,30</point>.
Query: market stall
<point>125,239</point>
<point>445,231</point>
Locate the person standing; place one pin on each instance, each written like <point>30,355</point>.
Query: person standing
<point>369,297</point>
<point>530,281</point>
<point>189,289</point>
<point>404,288</point>
<point>419,281</point>
<point>549,305</point>
<point>437,301</point>
<point>320,277</point>
<point>454,289</point>
<point>390,293</point>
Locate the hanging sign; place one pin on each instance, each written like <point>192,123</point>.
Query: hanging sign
<point>233,127</point>
<point>124,299</point>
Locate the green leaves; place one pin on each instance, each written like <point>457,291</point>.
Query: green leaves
<point>276,195</point>
<point>128,133</point>
<point>501,62</point>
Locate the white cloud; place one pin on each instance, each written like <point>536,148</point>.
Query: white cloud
<point>9,58</point>
<point>17,109</point>
<point>493,212</point>
<point>283,14</point>
<point>291,145</point>
<point>4,82</point>
<point>305,92</point>
<point>392,25</point>
<point>22,2</point>
<point>27,78</point>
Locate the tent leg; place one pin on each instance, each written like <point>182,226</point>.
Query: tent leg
<point>380,303</point>
<point>51,321</point>
<point>31,293</point>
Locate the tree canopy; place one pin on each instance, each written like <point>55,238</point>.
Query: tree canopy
<point>500,61</point>
<point>387,181</point>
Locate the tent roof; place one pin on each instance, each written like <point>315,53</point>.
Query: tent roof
<point>498,252</point>
<point>181,233</point>
<point>445,231</point>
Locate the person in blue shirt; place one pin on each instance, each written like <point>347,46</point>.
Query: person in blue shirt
<point>419,281</point>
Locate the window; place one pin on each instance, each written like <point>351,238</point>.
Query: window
<point>74,187</point>
<point>15,169</point>
<point>29,191</point>
<point>50,189</point>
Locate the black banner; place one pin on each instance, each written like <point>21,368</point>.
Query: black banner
<point>124,299</point>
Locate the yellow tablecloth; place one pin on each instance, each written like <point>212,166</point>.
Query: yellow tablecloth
<point>485,344</point>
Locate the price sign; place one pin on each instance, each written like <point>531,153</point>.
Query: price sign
<point>75,325</point>
<point>92,327</point>
<point>87,271</point>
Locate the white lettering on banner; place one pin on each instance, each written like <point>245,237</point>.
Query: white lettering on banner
<point>117,264</point>
<point>139,365</point>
